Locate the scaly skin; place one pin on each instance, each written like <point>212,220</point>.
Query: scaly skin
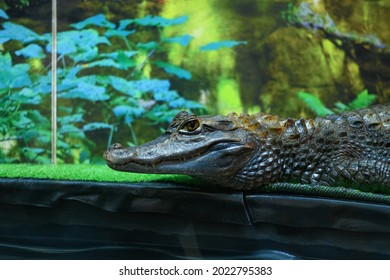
<point>249,151</point>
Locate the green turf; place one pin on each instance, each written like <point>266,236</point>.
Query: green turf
<point>83,172</point>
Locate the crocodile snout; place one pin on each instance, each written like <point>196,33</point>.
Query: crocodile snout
<point>116,153</point>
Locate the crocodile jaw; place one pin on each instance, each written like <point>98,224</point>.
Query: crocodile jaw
<point>213,158</point>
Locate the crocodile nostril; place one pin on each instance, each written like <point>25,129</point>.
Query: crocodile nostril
<point>116,146</point>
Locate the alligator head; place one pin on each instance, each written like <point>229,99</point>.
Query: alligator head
<point>211,148</point>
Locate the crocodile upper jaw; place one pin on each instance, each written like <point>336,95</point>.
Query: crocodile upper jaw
<point>215,156</point>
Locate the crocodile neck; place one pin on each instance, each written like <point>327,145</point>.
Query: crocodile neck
<point>351,149</point>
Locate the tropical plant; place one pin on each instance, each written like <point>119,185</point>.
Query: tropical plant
<point>108,76</point>
<point>362,100</point>
<point>21,122</point>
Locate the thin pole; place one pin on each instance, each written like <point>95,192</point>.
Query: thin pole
<point>54,83</point>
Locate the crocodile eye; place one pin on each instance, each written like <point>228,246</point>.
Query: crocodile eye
<point>191,125</point>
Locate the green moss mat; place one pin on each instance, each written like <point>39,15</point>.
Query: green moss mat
<point>83,172</point>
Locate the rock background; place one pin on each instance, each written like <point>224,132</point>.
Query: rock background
<point>281,59</point>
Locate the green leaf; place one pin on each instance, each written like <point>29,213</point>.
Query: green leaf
<point>18,32</point>
<point>98,20</point>
<point>13,76</point>
<point>31,51</point>
<point>31,153</point>
<point>61,144</point>
<point>85,156</point>
<point>363,100</point>
<point>115,55</point>
<point>67,128</point>
<point>183,40</point>
<point>118,33</point>
<point>128,112</point>
<point>42,86</point>
<point>70,119</point>
<point>134,88</point>
<point>159,21</point>
<point>20,76</point>
<point>26,96</point>
<point>122,57</point>
<point>122,85</point>
<point>89,79</point>
<point>341,107</point>
<point>21,120</point>
<point>30,135</point>
<point>39,120</point>
<point>314,103</point>
<point>85,56</point>
<point>104,63</point>
<point>174,70</point>
<point>44,136</point>
<point>5,61</point>
<point>65,44</point>
<point>3,14</point>
<point>124,61</point>
<point>148,46</point>
<point>223,44</point>
<point>177,103</point>
<point>124,23</point>
<point>103,80</point>
<point>6,66</point>
<point>86,91</point>
<point>96,125</point>
<point>72,42</point>
<point>193,105</point>
<point>69,74</point>
<point>66,85</point>
<point>166,96</point>
<point>4,40</point>
<point>181,103</point>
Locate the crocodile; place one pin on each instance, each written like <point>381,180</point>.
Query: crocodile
<point>248,152</point>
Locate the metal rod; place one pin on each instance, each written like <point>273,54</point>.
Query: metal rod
<point>54,84</point>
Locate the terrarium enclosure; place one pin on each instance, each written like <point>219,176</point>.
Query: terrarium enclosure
<point>121,66</point>
<point>77,76</point>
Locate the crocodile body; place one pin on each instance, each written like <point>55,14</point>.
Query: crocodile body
<point>248,152</point>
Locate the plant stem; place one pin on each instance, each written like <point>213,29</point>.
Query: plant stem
<point>133,134</point>
<point>139,67</point>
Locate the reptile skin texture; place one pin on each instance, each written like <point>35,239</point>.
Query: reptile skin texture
<point>350,149</point>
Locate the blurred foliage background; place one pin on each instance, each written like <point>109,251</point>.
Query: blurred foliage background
<point>126,67</point>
